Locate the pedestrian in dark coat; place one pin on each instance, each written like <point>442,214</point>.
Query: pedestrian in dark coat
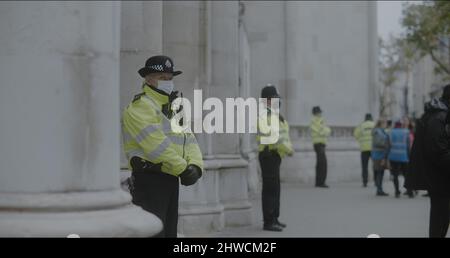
<point>437,162</point>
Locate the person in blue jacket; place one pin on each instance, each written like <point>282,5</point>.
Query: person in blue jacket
<point>399,154</point>
<point>379,155</point>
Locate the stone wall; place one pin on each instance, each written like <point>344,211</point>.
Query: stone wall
<point>343,156</point>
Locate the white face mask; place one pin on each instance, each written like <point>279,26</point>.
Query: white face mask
<point>166,86</point>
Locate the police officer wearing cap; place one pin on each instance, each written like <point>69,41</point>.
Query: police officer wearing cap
<point>320,133</point>
<point>270,156</point>
<point>159,157</point>
<point>363,134</point>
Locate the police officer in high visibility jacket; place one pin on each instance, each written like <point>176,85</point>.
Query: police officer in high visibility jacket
<point>270,155</point>
<point>159,155</point>
<point>363,134</point>
<point>320,132</point>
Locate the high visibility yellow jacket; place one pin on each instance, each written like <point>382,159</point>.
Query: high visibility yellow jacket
<point>147,133</point>
<point>363,134</point>
<point>282,142</point>
<point>319,131</point>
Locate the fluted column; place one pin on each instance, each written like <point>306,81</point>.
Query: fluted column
<point>59,130</point>
<point>202,38</point>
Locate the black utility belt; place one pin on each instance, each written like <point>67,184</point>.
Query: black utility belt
<point>140,165</point>
<point>267,152</point>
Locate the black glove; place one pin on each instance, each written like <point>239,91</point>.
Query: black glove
<point>190,175</point>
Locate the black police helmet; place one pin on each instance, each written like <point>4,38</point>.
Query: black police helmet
<point>269,91</point>
<point>158,64</point>
<point>316,110</point>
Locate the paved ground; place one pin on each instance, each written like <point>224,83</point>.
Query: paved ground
<point>343,210</point>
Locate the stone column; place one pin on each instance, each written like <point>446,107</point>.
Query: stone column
<point>202,38</point>
<point>185,39</point>
<point>293,88</point>
<point>225,84</point>
<point>59,130</point>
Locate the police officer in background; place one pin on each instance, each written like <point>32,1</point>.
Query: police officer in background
<point>270,156</point>
<point>158,156</point>
<point>363,134</point>
<point>320,132</point>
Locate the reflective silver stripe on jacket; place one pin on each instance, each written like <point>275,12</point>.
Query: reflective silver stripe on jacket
<point>159,150</point>
<point>146,131</point>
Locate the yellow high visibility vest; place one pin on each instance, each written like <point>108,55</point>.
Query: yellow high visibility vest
<point>283,144</point>
<point>363,134</point>
<point>147,133</point>
<point>319,131</point>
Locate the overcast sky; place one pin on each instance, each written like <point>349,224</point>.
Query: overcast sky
<point>389,15</point>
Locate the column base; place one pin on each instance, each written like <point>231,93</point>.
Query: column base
<point>201,220</point>
<point>233,191</point>
<point>238,214</point>
<point>86,214</point>
<point>344,163</point>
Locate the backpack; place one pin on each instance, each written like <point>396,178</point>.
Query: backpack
<point>379,140</point>
<point>416,177</point>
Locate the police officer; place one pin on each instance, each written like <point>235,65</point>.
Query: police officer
<point>270,156</point>
<point>320,133</point>
<point>363,134</point>
<point>158,155</point>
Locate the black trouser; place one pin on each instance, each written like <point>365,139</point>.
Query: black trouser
<point>365,157</point>
<point>379,180</point>
<point>321,164</point>
<point>439,215</point>
<point>397,169</point>
<point>270,170</point>
<point>157,192</point>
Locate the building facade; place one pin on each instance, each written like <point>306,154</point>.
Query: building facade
<point>318,54</point>
<point>82,71</point>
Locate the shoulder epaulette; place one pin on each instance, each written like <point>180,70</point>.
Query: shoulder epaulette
<point>138,96</point>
